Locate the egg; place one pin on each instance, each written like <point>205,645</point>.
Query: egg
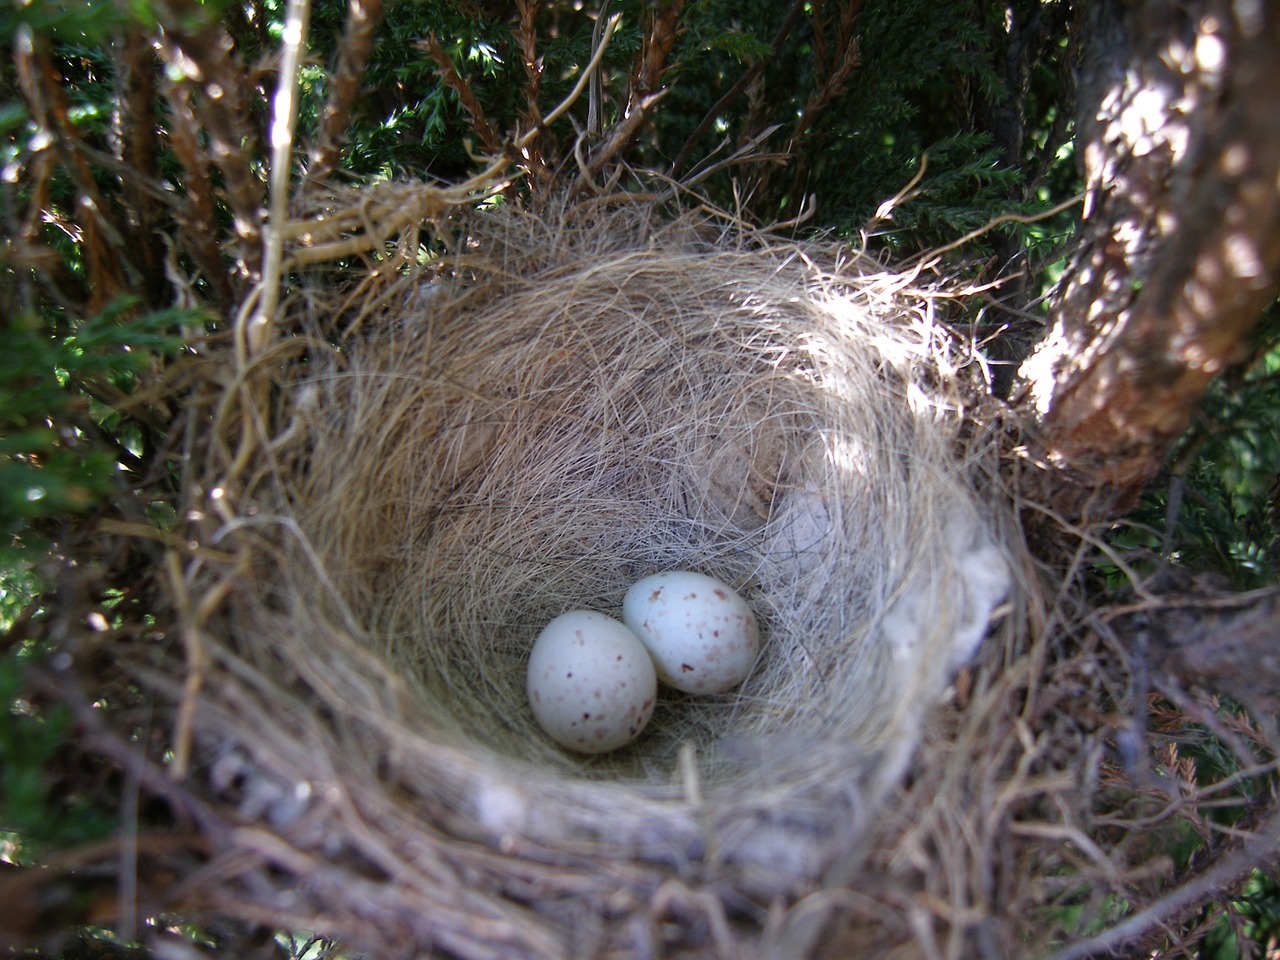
<point>702,636</point>
<point>590,682</point>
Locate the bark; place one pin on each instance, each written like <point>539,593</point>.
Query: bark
<point>1179,247</point>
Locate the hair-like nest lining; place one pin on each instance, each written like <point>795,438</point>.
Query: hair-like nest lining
<point>546,411</point>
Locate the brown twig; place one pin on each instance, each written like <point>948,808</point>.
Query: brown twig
<point>108,272</point>
<point>136,77</point>
<point>196,215</point>
<point>620,134</point>
<point>793,15</point>
<point>459,85</point>
<point>658,41</point>
<point>1258,852</point>
<point>837,58</point>
<point>363,19</point>
<point>205,56</point>
<point>199,233</point>
<point>527,38</point>
<point>835,71</point>
<point>595,96</point>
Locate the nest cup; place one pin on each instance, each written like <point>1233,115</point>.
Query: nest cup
<point>555,407</point>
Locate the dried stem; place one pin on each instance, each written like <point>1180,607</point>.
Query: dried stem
<point>1257,852</point>
<point>459,85</point>
<point>527,38</point>
<point>793,16</point>
<point>363,18</point>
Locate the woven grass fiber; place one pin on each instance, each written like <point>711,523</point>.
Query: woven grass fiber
<point>433,456</point>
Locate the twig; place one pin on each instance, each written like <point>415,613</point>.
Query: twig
<point>449,74</point>
<point>1259,850</point>
<point>834,66</point>
<point>620,134</point>
<point>656,48</point>
<point>108,271</point>
<point>837,74</point>
<point>797,8</point>
<point>743,154</point>
<point>206,51</point>
<point>1003,218</point>
<point>363,18</point>
<point>527,37</point>
<point>1135,582</point>
<point>581,85</point>
<point>595,97</point>
<point>199,233</point>
<point>885,210</point>
<point>328,236</point>
<point>283,121</point>
<point>137,152</point>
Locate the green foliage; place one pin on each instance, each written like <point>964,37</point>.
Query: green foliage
<point>53,459</point>
<point>1217,510</point>
<point>742,47</point>
<point>929,79</point>
<point>37,812</point>
<point>67,21</point>
<point>63,450</point>
<point>409,121</point>
<point>1260,911</point>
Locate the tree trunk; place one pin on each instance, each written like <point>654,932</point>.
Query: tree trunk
<point>1179,247</point>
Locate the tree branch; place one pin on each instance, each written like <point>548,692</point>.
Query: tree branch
<point>793,15</point>
<point>1259,850</point>
<point>363,18</point>
<point>1179,251</point>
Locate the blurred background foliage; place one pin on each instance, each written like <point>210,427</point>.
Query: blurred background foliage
<point>121,254</point>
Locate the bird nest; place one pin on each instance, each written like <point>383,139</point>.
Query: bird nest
<point>426,455</point>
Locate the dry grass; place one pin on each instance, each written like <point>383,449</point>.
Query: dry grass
<point>546,409</point>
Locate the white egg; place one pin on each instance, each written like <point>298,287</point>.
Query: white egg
<point>591,683</point>
<point>702,636</point>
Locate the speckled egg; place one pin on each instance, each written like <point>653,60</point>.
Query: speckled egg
<point>590,683</point>
<point>702,636</point>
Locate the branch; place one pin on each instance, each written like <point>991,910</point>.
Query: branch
<point>1259,851</point>
<point>135,76</point>
<point>1226,643</point>
<point>1179,250</point>
<point>363,18</point>
<point>284,120</point>
<point>449,74</point>
<point>202,53</point>
<point>196,216</point>
<point>527,38</point>
<point>793,15</point>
